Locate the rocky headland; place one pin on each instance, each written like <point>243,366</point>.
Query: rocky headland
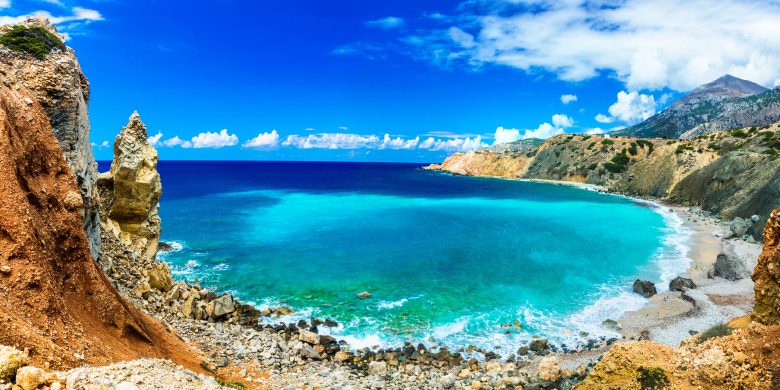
<point>89,304</point>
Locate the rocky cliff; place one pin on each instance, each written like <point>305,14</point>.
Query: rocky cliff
<point>62,90</point>
<point>766,276</point>
<point>134,190</point>
<point>56,302</point>
<point>731,173</point>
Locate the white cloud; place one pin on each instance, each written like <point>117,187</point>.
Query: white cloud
<point>562,121</point>
<point>387,23</point>
<point>5,4</point>
<point>155,139</point>
<point>594,131</point>
<point>453,144</point>
<point>461,37</point>
<point>630,107</point>
<point>568,98</point>
<point>645,44</point>
<point>264,140</point>
<point>399,143</point>
<point>214,140</point>
<point>102,145</point>
<point>332,141</point>
<point>343,128</point>
<point>544,131</point>
<point>72,22</point>
<point>176,141</point>
<point>310,129</point>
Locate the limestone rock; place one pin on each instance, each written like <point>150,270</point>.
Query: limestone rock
<point>29,377</point>
<point>538,345</point>
<point>550,369</point>
<point>377,368</point>
<point>739,227</point>
<point>223,305</point>
<point>60,87</point>
<point>5,270</point>
<point>10,361</point>
<point>681,284</point>
<point>644,288</point>
<point>309,337</point>
<point>767,275</point>
<point>730,267</point>
<point>159,276</point>
<point>137,190</point>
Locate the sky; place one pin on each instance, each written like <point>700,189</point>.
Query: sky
<point>407,81</point>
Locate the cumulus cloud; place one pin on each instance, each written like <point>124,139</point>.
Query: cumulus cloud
<point>332,141</point>
<point>101,145</point>
<point>453,144</point>
<point>387,23</point>
<point>568,98</point>
<point>399,143</point>
<point>560,122</point>
<point>264,140</point>
<point>630,107</point>
<point>176,141</point>
<point>5,4</point>
<point>214,140</point>
<point>594,131</point>
<point>645,44</point>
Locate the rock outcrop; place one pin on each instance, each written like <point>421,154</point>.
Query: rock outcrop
<point>766,276</point>
<point>132,216</point>
<point>62,90</point>
<point>57,303</point>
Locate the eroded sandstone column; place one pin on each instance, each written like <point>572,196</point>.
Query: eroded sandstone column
<point>767,275</point>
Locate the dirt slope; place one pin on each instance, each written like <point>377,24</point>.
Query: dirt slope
<point>55,301</point>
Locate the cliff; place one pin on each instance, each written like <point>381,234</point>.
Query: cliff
<point>62,90</point>
<point>766,276</point>
<point>730,173</point>
<point>56,301</point>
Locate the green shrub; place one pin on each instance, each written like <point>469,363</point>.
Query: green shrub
<point>715,331</point>
<point>592,144</point>
<point>614,168</point>
<point>232,384</point>
<point>632,150</point>
<point>642,143</point>
<point>607,142</point>
<point>586,137</point>
<point>653,378</point>
<point>593,166</point>
<point>739,133</point>
<point>621,159</point>
<point>36,41</point>
<point>682,148</point>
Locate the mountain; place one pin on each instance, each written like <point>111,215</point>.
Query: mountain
<point>724,104</point>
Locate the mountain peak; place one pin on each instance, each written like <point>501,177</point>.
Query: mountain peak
<point>726,86</point>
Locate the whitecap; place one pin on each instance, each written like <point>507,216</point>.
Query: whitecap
<point>385,305</point>
<point>453,328</point>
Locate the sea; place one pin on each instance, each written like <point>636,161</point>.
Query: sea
<point>447,260</point>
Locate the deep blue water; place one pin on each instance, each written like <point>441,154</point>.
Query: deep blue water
<point>449,259</point>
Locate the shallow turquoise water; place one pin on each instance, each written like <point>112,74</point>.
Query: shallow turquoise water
<point>445,258</point>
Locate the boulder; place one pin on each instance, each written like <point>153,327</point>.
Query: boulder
<point>377,368</point>
<point>190,306</point>
<point>29,377</point>
<point>611,325</point>
<point>309,352</point>
<point>538,345</point>
<point>681,284</point>
<point>644,288</point>
<point>159,276</point>
<point>550,369</point>
<point>730,267</point>
<point>5,270</point>
<point>739,227</point>
<point>223,305</point>
<point>10,361</point>
<point>309,337</point>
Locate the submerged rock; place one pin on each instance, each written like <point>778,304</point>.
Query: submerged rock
<point>681,284</point>
<point>644,288</point>
<point>730,267</point>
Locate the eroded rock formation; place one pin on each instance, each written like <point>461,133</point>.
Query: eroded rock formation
<point>132,216</point>
<point>55,300</point>
<point>62,90</point>
<point>767,275</point>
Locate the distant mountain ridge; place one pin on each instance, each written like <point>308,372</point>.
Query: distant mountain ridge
<point>726,103</point>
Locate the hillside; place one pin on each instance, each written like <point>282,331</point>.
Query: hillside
<point>724,104</point>
<point>731,173</point>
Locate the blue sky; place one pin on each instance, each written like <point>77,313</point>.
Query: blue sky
<point>394,81</point>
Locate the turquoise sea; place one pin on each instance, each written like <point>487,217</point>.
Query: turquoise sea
<point>446,259</point>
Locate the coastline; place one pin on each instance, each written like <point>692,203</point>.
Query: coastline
<point>670,317</point>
